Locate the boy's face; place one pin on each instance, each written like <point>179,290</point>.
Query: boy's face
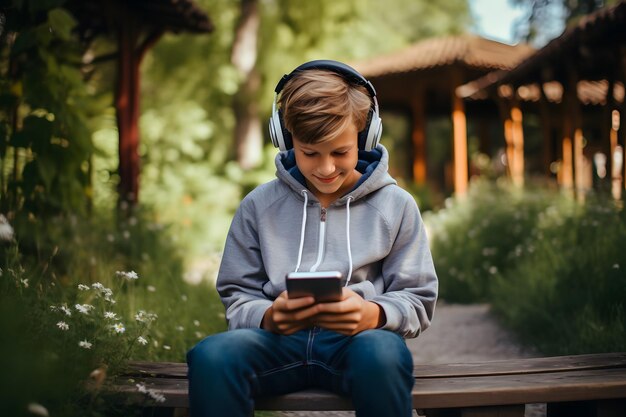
<point>329,167</point>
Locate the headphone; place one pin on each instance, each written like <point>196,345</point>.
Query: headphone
<point>368,138</point>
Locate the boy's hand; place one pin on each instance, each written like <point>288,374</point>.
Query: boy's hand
<point>350,316</point>
<point>289,315</point>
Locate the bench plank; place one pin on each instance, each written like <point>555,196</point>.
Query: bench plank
<point>500,367</point>
<point>589,377</point>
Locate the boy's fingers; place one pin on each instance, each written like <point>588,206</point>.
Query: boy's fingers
<point>337,318</point>
<point>295,303</point>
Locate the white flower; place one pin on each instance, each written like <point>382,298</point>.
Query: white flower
<point>142,341</point>
<point>183,297</point>
<point>196,323</point>
<point>109,315</point>
<point>97,286</point>
<point>493,270</point>
<point>180,328</point>
<point>24,282</point>
<point>615,266</point>
<point>66,310</point>
<point>84,308</point>
<point>85,344</point>
<point>151,288</point>
<point>199,335</point>
<point>166,347</point>
<point>131,275</point>
<point>151,393</point>
<point>83,287</point>
<point>6,231</point>
<point>144,317</point>
<point>126,234</point>
<point>63,325</point>
<point>37,409</point>
<point>110,237</point>
<point>156,396</point>
<point>119,328</point>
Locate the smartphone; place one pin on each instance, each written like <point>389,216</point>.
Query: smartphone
<point>325,286</point>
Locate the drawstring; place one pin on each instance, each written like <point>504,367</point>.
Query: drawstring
<point>306,200</point>
<point>348,240</point>
<point>304,209</point>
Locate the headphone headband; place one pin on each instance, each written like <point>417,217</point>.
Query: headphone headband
<point>367,138</point>
<point>340,68</point>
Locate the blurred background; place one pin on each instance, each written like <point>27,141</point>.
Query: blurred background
<point>130,131</point>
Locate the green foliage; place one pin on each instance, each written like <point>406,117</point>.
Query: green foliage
<point>45,143</point>
<point>549,266</point>
<point>568,295</point>
<point>483,235</point>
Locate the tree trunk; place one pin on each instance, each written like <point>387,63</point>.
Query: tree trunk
<point>248,137</point>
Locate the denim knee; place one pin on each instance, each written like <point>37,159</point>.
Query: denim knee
<point>223,352</point>
<point>380,355</point>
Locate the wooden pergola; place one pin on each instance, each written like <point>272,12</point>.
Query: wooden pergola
<point>576,82</point>
<point>136,26</point>
<point>423,79</point>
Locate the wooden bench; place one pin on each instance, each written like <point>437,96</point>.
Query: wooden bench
<point>571,386</point>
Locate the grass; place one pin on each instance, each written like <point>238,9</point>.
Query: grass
<point>551,268</point>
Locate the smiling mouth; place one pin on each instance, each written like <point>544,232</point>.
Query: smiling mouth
<point>326,180</point>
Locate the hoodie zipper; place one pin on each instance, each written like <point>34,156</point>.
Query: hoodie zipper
<point>322,239</point>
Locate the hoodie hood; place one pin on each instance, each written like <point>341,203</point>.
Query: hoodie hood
<point>372,165</point>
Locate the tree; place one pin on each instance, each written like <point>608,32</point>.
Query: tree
<point>544,16</point>
<point>248,137</point>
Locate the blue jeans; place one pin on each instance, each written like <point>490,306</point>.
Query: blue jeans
<point>228,370</point>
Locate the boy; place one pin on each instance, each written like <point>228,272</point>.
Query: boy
<point>332,207</point>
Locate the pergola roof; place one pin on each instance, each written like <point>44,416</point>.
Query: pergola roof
<point>469,50</point>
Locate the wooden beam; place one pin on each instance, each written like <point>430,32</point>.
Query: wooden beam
<point>459,133</point>
<point>418,135</point>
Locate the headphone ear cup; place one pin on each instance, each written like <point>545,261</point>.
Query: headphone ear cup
<point>287,139</point>
<point>370,136</point>
<point>280,136</point>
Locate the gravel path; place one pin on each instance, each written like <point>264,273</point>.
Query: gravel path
<point>459,333</point>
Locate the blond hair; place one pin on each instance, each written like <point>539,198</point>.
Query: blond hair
<point>318,105</point>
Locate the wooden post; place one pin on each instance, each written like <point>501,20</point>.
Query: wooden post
<point>502,100</point>
<point>131,53</point>
<point>459,132</point>
<point>576,114</point>
<point>418,136</point>
<point>567,169</point>
<point>546,129</point>
<point>517,138</point>
<point>125,105</point>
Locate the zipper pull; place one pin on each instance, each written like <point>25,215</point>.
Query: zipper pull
<point>323,215</point>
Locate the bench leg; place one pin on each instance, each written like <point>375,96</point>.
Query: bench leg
<point>494,411</point>
<point>600,408</point>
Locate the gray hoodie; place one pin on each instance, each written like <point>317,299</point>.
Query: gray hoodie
<point>374,235</point>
